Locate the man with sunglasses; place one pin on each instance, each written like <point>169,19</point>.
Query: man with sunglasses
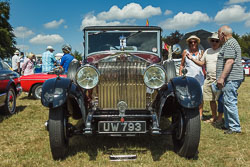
<point>229,75</point>
<point>209,59</point>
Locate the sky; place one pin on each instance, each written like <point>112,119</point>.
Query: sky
<point>39,23</point>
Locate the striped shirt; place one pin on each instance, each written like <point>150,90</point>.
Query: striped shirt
<point>230,50</point>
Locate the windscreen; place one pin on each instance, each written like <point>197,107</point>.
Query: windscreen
<point>122,41</point>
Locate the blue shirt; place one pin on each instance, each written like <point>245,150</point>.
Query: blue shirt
<point>48,60</point>
<point>66,59</point>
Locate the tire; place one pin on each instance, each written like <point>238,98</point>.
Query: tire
<point>37,91</point>
<point>170,69</point>
<point>10,102</point>
<point>73,67</point>
<point>57,133</point>
<point>186,133</point>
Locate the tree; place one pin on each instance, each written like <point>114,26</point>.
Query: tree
<point>7,37</point>
<point>173,38</point>
<point>244,42</point>
<point>77,55</point>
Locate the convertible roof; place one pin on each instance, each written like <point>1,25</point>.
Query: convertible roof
<point>103,28</point>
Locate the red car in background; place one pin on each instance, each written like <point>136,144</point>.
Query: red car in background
<point>10,89</point>
<point>246,66</point>
<point>33,83</point>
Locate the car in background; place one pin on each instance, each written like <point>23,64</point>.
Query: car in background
<point>32,84</point>
<point>246,66</point>
<point>10,88</point>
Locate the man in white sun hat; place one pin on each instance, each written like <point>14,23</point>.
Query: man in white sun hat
<point>16,62</point>
<point>48,59</point>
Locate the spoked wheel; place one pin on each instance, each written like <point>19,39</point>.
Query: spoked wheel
<point>37,91</point>
<point>186,132</point>
<point>58,133</point>
<point>10,103</point>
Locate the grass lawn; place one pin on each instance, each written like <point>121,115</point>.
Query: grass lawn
<point>25,142</point>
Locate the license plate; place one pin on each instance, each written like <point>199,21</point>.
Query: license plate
<point>122,127</point>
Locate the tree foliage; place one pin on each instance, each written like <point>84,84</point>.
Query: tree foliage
<point>173,38</point>
<point>7,37</point>
<point>77,55</point>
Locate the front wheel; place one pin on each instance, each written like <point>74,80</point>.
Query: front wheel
<point>58,133</point>
<point>186,132</point>
<point>37,91</point>
<point>10,102</point>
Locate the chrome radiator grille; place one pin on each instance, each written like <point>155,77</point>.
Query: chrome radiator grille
<point>121,80</point>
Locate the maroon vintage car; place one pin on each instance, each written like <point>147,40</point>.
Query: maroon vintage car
<point>123,88</point>
<point>33,83</point>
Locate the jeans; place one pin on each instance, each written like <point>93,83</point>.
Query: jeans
<point>230,108</point>
<point>220,104</point>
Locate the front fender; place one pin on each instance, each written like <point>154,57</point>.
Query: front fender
<point>187,91</point>
<point>55,92</point>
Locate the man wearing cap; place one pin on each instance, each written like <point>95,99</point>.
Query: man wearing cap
<point>229,75</point>
<point>16,62</point>
<point>48,60</point>
<point>209,59</point>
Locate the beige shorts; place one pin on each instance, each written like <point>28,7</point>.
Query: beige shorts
<point>207,90</point>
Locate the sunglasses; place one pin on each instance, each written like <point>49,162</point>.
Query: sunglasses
<point>191,42</point>
<point>216,41</point>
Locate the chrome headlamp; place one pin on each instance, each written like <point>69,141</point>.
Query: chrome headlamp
<point>154,77</point>
<point>87,77</point>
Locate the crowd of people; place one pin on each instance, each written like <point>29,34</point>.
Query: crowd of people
<point>223,68</point>
<point>26,65</point>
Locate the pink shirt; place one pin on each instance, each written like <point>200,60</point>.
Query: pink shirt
<point>28,67</point>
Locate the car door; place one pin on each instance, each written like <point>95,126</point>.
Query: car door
<point>4,81</point>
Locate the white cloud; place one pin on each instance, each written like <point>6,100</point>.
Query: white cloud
<point>53,24</point>
<point>23,47</point>
<point>231,14</point>
<point>168,12</point>
<point>22,32</point>
<point>47,39</point>
<point>247,23</point>
<point>132,10</point>
<point>237,1</point>
<point>185,20</point>
<point>91,20</point>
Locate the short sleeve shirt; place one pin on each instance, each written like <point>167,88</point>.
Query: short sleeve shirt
<point>15,60</point>
<point>230,50</point>
<point>210,58</point>
<point>48,60</point>
<point>66,59</point>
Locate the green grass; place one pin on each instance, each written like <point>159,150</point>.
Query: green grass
<point>25,142</point>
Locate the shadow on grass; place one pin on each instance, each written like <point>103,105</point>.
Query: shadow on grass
<point>157,145</point>
<point>6,116</point>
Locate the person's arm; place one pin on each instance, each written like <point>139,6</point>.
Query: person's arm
<point>225,72</point>
<point>198,62</point>
<point>18,67</point>
<point>182,62</point>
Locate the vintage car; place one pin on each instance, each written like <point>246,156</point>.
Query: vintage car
<point>123,88</point>
<point>32,84</point>
<point>10,88</point>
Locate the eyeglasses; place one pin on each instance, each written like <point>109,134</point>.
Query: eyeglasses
<point>216,41</point>
<point>192,42</point>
